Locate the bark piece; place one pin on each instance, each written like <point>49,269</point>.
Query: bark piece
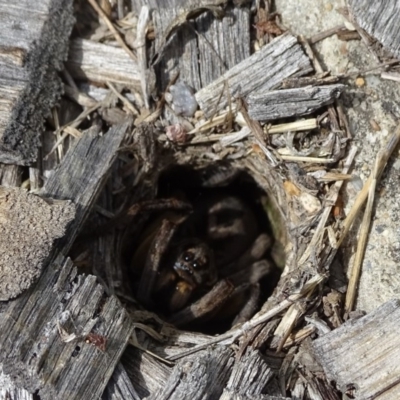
<point>28,227</point>
<point>33,46</point>
<point>291,102</point>
<point>380,20</point>
<point>63,337</point>
<point>260,72</point>
<point>102,63</point>
<point>363,354</point>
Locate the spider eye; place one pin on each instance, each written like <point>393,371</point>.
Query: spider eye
<point>188,256</point>
<point>195,265</point>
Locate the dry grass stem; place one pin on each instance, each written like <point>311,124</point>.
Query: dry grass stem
<point>140,45</point>
<point>75,123</point>
<point>362,242</point>
<point>110,25</point>
<point>316,160</point>
<point>129,106</point>
<point>331,200</point>
<point>297,126</point>
<point>383,157</point>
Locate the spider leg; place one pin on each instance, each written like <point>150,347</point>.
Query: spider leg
<point>250,306</point>
<point>181,295</point>
<point>152,265</point>
<point>254,253</point>
<point>206,306</point>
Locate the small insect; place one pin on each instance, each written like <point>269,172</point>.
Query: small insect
<point>97,340</point>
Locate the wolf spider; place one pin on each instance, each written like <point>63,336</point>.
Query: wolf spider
<point>199,260</point>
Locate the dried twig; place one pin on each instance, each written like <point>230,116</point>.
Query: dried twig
<point>325,34</point>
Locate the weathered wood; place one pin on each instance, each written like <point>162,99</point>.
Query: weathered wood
<point>63,330</point>
<point>220,43</point>
<point>28,228</point>
<point>199,377</point>
<point>10,175</point>
<point>120,386</point>
<point>291,102</point>
<point>33,46</point>
<point>364,354</point>
<point>262,71</point>
<point>82,173</point>
<point>249,378</point>
<point>74,303</point>
<point>102,63</point>
<point>148,375</point>
<point>380,20</point>
<point>8,391</point>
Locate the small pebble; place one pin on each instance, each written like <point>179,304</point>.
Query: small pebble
<point>183,101</point>
<point>360,82</point>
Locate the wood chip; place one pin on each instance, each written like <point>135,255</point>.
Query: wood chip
<point>379,19</point>
<point>286,103</point>
<point>362,356</point>
<point>262,71</point>
<point>102,63</point>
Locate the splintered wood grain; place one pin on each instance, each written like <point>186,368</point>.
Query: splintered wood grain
<point>10,175</point>
<point>364,354</point>
<point>199,377</point>
<point>291,102</point>
<point>260,72</point>
<point>33,46</point>
<point>28,227</point>
<point>64,337</point>
<point>120,386</point>
<point>380,20</point>
<point>82,173</point>
<point>249,377</point>
<point>8,391</point>
<point>147,374</point>
<point>101,63</point>
<point>201,48</point>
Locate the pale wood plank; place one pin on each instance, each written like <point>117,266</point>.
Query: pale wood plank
<point>102,63</point>
<point>260,72</point>
<point>380,20</point>
<point>286,103</point>
<point>364,354</point>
